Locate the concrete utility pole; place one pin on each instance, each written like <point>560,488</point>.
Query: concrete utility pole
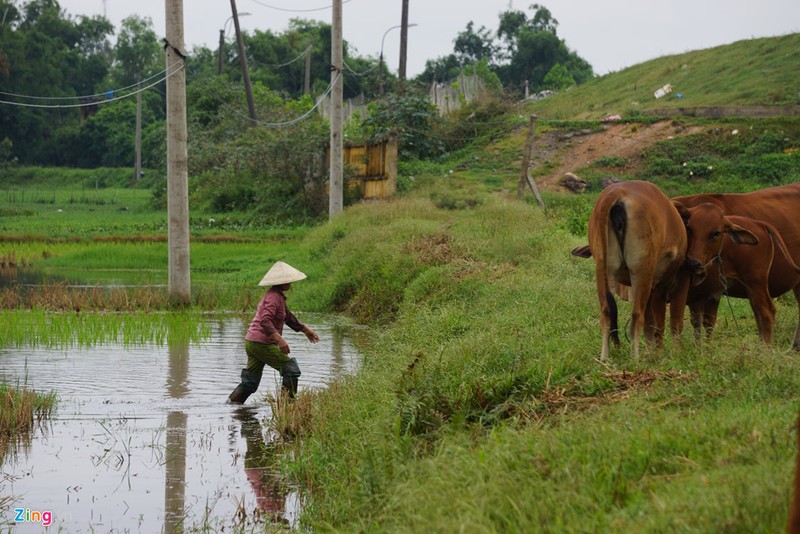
<point>337,115</point>
<point>251,107</point>
<point>177,157</point>
<point>137,148</point>
<point>307,85</point>
<point>401,72</point>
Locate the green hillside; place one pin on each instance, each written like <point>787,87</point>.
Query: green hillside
<point>755,72</point>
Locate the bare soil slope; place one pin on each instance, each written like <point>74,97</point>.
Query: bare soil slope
<point>569,152</point>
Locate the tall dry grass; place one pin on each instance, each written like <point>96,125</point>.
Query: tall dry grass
<point>20,409</point>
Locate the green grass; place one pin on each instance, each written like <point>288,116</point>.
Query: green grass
<point>481,405</point>
<point>745,73</point>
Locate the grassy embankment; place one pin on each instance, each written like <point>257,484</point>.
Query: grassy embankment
<point>481,405</point>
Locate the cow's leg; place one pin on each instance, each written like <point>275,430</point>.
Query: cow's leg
<point>608,315</point>
<point>640,295</point>
<point>710,315</point>
<point>655,318</point>
<point>605,325</point>
<point>764,312</point>
<point>677,306</point>
<point>697,311</point>
<point>796,340</point>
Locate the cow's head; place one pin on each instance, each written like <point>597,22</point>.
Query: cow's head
<point>706,228</point>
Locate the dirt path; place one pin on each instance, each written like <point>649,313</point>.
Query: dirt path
<point>572,151</point>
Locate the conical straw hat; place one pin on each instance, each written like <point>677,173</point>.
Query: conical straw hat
<point>281,273</point>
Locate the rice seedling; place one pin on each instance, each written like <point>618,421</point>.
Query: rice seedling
<point>69,329</point>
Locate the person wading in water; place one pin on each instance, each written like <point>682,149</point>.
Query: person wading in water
<point>264,343</point>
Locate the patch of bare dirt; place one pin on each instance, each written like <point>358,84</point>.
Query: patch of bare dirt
<point>571,151</point>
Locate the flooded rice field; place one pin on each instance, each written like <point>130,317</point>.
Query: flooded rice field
<point>143,441</point>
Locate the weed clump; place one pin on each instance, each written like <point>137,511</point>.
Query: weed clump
<point>20,408</point>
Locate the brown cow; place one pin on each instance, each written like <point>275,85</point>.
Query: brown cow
<point>779,206</point>
<point>719,265</point>
<point>637,238</point>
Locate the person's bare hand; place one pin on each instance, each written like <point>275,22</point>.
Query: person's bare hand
<point>284,346</point>
<point>311,335</point>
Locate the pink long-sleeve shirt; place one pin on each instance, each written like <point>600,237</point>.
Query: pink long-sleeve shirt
<point>270,317</point>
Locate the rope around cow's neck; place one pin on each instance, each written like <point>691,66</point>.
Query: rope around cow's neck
<point>724,282</point>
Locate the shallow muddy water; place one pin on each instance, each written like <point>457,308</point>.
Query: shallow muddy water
<point>142,440</point>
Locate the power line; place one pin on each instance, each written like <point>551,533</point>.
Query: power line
<point>363,73</point>
<point>85,104</point>
<point>277,124</point>
<point>302,54</point>
<point>297,10</point>
<point>31,97</point>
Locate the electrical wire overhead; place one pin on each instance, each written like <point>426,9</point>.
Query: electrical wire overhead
<point>296,10</point>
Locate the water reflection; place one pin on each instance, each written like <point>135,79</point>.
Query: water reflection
<point>270,495</point>
<point>175,460</point>
<point>133,422</point>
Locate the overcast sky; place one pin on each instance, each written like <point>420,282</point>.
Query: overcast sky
<point>609,34</point>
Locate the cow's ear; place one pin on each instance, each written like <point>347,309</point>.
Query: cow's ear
<point>682,211</point>
<point>740,235</point>
<point>582,252</point>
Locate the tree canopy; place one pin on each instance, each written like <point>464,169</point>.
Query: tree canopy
<point>525,47</point>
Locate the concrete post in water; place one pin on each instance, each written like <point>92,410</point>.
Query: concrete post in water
<point>177,157</point>
<point>336,163</point>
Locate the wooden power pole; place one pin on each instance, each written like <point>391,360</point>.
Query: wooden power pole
<point>524,176</point>
<point>220,51</point>
<point>336,163</point>
<point>251,107</point>
<point>403,44</point>
<point>177,157</point>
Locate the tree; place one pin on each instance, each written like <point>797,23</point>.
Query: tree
<point>137,56</point>
<point>558,78</point>
<point>524,48</point>
<point>440,69</point>
<point>137,53</point>
<point>532,49</point>
<point>47,53</point>
<point>471,46</point>
<point>413,116</point>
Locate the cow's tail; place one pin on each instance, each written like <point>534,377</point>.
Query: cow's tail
<point>780,243</point>
<point>617,219</point>
<point>613,323</point>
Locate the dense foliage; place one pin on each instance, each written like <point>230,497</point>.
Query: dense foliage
<point>523,49</point>
<point>67,91</point>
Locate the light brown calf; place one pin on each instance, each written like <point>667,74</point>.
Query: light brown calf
<point>733,255</point>
<point>778,206</point>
